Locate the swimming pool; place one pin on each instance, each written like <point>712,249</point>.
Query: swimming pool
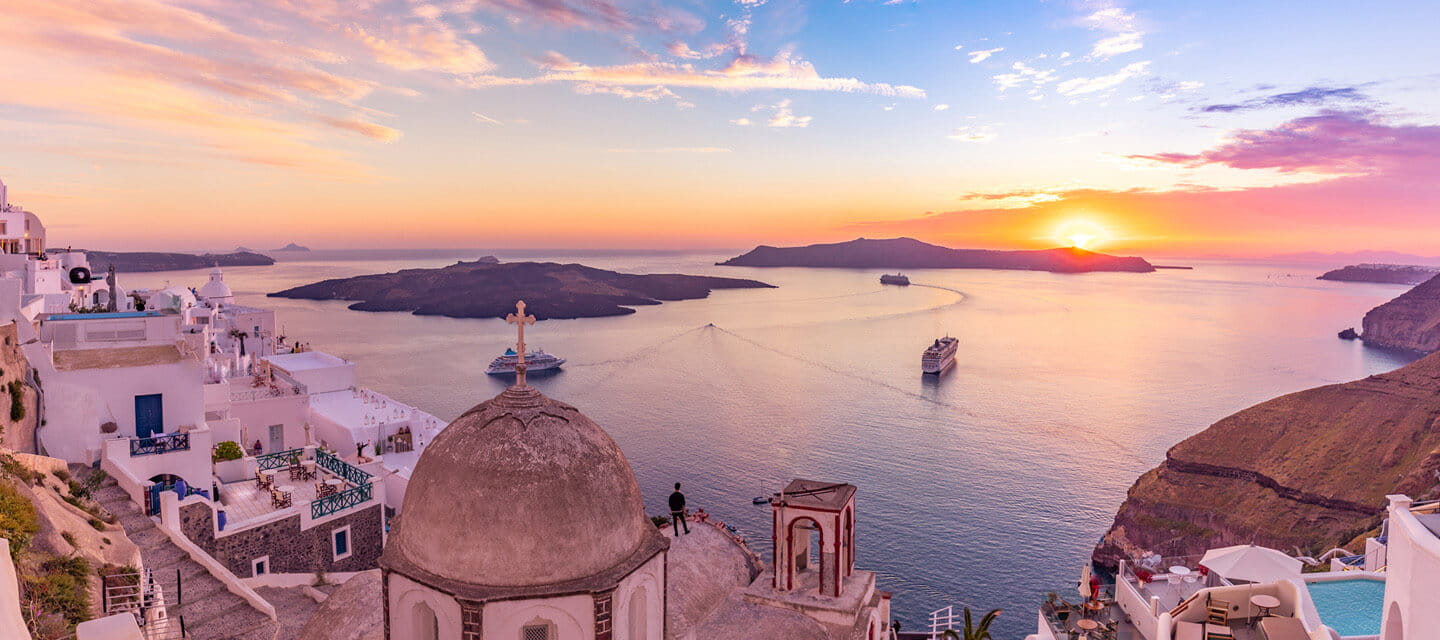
<point>1351,607</point>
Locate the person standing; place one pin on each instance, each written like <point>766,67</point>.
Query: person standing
<point>677,511</point>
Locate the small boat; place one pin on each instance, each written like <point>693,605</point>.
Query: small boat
<point>897,279</point>
<point>536,360</point>
<point>761,500</point>
<point>939,356</point>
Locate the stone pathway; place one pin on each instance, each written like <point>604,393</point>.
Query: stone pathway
<point>210,611</point>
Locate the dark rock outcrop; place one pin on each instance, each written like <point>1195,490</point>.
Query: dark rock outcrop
<point>1382,273</point>
<point>1303,470</point>
<point>147,261</point>
<point>909,253</point>
<point>1349,334</point>
<point>489,290</point>
<point>1411,321</point>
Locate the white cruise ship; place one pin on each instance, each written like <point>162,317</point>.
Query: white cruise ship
<point>939,356</point>
<point>536,360</point>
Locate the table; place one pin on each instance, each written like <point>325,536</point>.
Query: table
<point>1086,626</point>
<point>1179,570</point>
<point>1264,603</point>
<point>308,465</point>
<point>285,488</point>
<point>1094,606</point>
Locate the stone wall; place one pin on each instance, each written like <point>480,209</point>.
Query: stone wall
<point>291,550</point>
<point>16,436</point>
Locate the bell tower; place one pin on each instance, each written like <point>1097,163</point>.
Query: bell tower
<point>807,509</point>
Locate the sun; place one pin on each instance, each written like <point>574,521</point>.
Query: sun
<point>1081,234</point>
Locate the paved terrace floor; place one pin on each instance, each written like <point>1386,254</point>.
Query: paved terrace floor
<point>245,500</point>
<point>76,359</point>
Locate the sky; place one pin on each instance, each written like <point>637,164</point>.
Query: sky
<point>1153,128</point>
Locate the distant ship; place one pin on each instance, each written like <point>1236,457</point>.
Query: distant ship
<point>898,278</point>
<point>536,360</point>
<point>939,356</point>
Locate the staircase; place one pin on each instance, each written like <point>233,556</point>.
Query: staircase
<point>209,610</point>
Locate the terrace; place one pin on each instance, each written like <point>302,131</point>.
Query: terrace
<point>308,481</point>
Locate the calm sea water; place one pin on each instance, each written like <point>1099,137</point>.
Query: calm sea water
<point>988,486</point>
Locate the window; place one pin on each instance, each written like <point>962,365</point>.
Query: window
<point>427,627</point>
<point>340,539</point>
<point>638,614</point>
<point>536,631</point>
<point>260,566</point>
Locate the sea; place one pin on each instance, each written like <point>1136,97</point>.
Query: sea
<point>985,487</point>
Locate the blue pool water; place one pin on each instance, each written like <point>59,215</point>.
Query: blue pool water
<point>1351,607</point>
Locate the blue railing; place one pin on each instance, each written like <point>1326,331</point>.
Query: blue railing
<point>346,471</point>
<point>340,501</point>
<point>160,444</point>
<point>279,459</point>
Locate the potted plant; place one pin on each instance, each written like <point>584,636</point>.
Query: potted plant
<point>229,461</point>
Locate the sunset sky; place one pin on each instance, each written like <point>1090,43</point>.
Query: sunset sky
<point>1162,128</point>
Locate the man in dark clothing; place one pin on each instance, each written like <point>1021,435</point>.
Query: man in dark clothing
<point>677,510</point>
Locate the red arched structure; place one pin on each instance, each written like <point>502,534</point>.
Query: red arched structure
<point>830,509</point>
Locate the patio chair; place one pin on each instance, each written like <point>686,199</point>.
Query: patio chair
<point>1217,611</point>
<point>260,480</point>
<point>296,472</point>
<point>1217,632</point>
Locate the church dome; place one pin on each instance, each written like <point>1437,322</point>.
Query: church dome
<point>520,492</point>
<point>216,289</point>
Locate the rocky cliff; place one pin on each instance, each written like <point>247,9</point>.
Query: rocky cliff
<point>19,401</point>
<point>1307,470</point>
<point>1411,321</point>
<point>1382,273</point>
<point>909,253</point>
<point>484,289</point>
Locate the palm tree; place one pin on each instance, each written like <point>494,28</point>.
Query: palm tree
<point>241,336</point>
<point>973,631</point>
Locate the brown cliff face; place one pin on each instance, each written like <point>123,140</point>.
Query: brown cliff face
<point>1303,470</point>
<point>1411,321</point>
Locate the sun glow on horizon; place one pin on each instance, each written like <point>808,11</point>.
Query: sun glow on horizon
<point>1082,234</point>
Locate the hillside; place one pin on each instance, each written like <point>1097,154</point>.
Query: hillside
<point>909,253</point>
<point>1382,273</point>
<point>1307,469</point>
<point>485,289</point>
<point>1410,321</point>
<point>148,261</point>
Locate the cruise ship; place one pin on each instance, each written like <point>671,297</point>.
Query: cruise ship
<point>939,356</point>
<point>536,360</point>
<point>898,278</point>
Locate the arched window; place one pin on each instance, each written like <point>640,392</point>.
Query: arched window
<point>426,625</point>
<point>638,614</point>
<point>538,629</point>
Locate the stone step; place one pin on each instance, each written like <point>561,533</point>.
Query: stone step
<point>202,587</point>
<point>221,621</point>
<point>146,538</point>
<point>164,557</point>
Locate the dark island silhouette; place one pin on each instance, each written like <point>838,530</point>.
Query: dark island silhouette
<point>151,261</point>
<point>1382,273</point>
<point>909,253</point>
<point>484,289</point>
<point>293,247</point>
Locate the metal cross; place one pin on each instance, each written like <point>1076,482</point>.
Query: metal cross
<point>519,319</point>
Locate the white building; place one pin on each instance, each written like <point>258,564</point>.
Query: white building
<point>1412,582</point>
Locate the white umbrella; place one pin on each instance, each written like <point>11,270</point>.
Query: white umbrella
<point>1085,591</point>
<point>1251,563</point>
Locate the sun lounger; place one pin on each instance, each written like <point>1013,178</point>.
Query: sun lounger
<point>1283,629</point>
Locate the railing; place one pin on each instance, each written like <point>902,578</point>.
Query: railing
<point>340,501</point>
<point>279,459</point>
<point>346,471</point>
<point>160,444</point>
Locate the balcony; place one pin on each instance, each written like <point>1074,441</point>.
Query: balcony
<point>155,445</point>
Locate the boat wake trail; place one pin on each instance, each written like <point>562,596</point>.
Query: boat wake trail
<point>642,353</point>
<point>1117,446</point>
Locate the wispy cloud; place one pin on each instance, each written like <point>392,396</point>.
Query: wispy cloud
<point>486,119</point>
<point>672,150</point>
<point>782,116</point>
<point>1309,96</point>
<point>1078,86</point>
<point>976,57</point>
<point>1127,35</point>
<point>972,134</point>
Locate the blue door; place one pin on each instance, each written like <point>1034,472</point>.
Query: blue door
<point>149,415</point>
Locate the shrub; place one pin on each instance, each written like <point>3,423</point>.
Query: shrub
<point>63,475</point>
<point>18,522</point>
<point>60,587</point>
<point>17,400</point>
<point>69,537</point>
<point>228,450</point>
<point>660,522</point>
<point>98,524</point>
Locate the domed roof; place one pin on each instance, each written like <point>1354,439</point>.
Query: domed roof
<point>520,492</point>
<point>216,288</point>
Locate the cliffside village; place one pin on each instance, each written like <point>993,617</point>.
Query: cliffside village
<point>240,462</point>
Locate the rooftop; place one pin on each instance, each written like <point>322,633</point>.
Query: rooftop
<point>77,359</point>
<point>306,361</point>
<point>816,494</point>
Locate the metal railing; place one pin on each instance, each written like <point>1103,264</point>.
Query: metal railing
<point>159,444</point>
<point>279,459</point>
<point>346,471</point>
<point>341,501</point>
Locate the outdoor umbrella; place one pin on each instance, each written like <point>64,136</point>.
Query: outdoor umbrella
<point>1085,591</point>
<point>1251,563</point>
